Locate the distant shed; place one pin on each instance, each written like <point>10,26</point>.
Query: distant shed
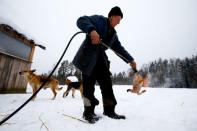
<point>16,54</point>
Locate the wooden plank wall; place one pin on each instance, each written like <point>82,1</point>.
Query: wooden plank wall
<point>9,72</point>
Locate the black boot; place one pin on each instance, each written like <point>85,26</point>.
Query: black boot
<point>109,111</point>
<point>89,114</point>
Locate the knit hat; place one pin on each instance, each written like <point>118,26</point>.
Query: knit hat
<point>115,11</point>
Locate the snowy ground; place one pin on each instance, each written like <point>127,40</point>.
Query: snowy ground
<point>159,109</point>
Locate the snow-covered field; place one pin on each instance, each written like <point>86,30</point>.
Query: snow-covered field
<point>159,109</point>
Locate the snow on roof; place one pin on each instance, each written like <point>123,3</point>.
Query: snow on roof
<point>11,31</point>
<point>72,78</point>
<point>14,33</point>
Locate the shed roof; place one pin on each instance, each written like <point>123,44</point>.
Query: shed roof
<point>14,33</point>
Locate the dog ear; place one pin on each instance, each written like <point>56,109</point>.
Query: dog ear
<point>33,70</point>
<point>140,77</point>
<point>146,76</point>
<point>145,84</point>
<point>136,77</point>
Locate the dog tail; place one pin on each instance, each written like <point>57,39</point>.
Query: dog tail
<point>59,88</point>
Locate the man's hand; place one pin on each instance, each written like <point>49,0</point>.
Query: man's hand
<point>133,65</point>
<point>95,37</point>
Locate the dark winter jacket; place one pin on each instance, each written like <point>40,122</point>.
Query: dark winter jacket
<point>87,55</point>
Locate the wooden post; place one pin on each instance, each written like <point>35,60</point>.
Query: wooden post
<point>32,52</point>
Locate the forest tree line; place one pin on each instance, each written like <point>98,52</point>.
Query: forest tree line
<point>173,73</point>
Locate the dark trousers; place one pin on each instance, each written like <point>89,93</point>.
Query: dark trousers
<point>101,74</point>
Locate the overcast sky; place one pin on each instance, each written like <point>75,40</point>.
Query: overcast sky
<point>149,30</point>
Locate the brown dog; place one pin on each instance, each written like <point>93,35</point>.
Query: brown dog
<point>36,81</point>
<point>138,82</point>
<point>73,86</point>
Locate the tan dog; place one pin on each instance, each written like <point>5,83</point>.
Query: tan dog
<point>138,82</point>
<point>36,81</point>
<point>73,86</point>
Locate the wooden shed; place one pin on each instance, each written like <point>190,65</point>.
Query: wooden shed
<point>16,53</point>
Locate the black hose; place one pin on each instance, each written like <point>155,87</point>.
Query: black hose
<point>8,117</point>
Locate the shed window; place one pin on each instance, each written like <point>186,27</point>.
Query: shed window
<point>12,46</point>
